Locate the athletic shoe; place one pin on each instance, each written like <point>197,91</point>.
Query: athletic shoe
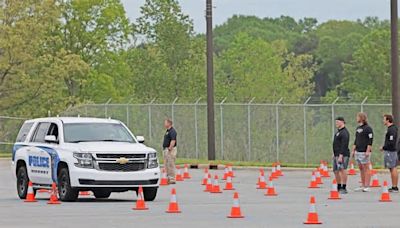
<point>170,181</point>
<point>366,189</point>
<point>359,189</point>
<point>343,191</point>
<point>394,189</point>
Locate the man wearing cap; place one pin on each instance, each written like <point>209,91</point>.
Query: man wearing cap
<point>390,151</point>
<point>341,154</point>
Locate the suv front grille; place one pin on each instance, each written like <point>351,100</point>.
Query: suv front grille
<point>128,167</point>
<point>116,156</point>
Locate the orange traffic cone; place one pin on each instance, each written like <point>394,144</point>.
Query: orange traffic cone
<point>372,171</point>
<point>186,174</point>
<point>209,186</point>
<point>312,217</point>
<point>325,172</point>
<point>228,184</point>
<point>334,192</point>
<point>235,210</point>
<point>321,167</point>
<point>273,173</point>
<point>84,193</point>
<point>215,187</point>
<point>164,179</point>
<point>271,189</point>
<point>230,171</point>
<point>351,171</point>
<point>173,206</point>
<point>375,181</point>
<point>278,170</point>
<point>262,183</point>
<point>313,182</point>
<point>178,175</point>
<point>53,197</point>
<point>140,204</point>
<point>385,196</point>
<point>30,197</point>
<point>204,181</point>
<point>318,178</point>
<point>43,190</point>
<point>226,173</point>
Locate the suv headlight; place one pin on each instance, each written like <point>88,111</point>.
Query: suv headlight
<point>85,160</point>
<point>152,161</point>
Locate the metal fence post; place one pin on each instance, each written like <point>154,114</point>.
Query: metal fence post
<point>106,108</point>
<point>195,128</point>
<point>149,113</point>
<point>333,115</point>
<point>249,129</point>
<point>277,127</point>
<point>127,115</point>
<point>362,104</point>
<point>222,127</point>
<point>305,128</point>
<point>172,109</point>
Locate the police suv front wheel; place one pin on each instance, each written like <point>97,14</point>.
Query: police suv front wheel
<point>66,192</point>
<point>150,193</point>
<point>22,182</point>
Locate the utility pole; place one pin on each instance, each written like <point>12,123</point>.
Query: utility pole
<point>210,83</point>
<point>395,62</point>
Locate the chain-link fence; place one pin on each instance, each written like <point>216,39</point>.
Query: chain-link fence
<point>290,133</point>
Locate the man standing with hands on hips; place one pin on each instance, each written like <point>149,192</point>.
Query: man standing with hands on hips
<point>390,151</point>
<point>169,150</point>
<point>362,150</point>
<point>341,154</point>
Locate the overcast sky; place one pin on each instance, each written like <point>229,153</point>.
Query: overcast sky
<point>323,10</point>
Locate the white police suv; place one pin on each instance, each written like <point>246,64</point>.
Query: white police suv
<point>83,154</point>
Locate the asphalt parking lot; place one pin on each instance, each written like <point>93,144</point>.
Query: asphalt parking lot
<point>201,209</point>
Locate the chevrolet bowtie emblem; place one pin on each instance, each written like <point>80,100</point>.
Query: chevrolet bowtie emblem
<point>122,161</point>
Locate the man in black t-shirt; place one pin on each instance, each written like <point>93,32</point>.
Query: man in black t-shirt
<point>341,154</point>
<point>169,150</point>
<point>362,150</point>
<point>390,151</point>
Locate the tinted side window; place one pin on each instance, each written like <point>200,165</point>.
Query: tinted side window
<point>41,131</point>
<point>23,132</point>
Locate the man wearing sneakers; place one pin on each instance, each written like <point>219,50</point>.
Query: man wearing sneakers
<point>362,150</point>
<point>390,152</point>
<point>341,154</point>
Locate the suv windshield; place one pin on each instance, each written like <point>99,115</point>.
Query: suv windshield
<point>90,132</point>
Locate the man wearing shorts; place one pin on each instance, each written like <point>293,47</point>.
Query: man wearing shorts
<point>390,152</point>
<point>362,150</point>
<point>341,154</point>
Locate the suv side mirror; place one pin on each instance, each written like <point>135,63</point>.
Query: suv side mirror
<point>140,139</point>
<point>50,139</point>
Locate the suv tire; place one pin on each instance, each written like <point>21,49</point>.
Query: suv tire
<point>150,193</point>
<point>22,182</point>
<point>101,193</point>
<point>65,191</point>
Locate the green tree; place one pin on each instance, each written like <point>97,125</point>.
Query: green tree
<point>368,74</point>
<point>172,48</point>
<point>30,71</point>
<point>255,68</point>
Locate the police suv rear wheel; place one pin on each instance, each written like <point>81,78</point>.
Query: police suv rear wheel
<point>101,193</point>
<point>150,193</point>
<point>22,182</point>
<point>66,192</point>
